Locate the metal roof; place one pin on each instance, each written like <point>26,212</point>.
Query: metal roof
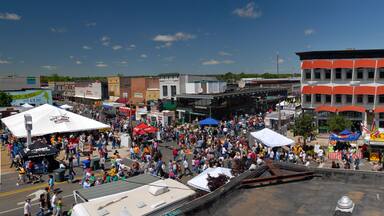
<point>116,187</point>
<point>341,54</point>
<point>235,93</point>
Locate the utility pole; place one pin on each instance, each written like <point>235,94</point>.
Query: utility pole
<point>277,63</point>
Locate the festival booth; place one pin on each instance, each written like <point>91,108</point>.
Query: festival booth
<point>208,122</point>
<point>128,111</point>
<point>338,141</point>
<point>200,181</point>
<point>144,129</point>
<point>48,119</point>
<point>375,142</point>
<point>37,152</point>
<point>66,107</point>
<point>141,113</point>
<point>271,138</point>
<point>110,108</point>
<point>166,117</point>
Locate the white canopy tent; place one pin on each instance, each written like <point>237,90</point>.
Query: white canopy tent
<point>201,182</point>
<point>27,105</point>
<point>271,138</point>
<point>48,119</point>
<point>66,106</point>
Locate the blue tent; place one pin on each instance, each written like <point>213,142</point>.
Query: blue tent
<point>208,121</point>
<point>345,132</point>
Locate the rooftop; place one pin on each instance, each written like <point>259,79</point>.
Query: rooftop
<point>341,54</point>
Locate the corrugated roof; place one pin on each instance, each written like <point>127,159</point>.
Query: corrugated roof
<point>116,187</point>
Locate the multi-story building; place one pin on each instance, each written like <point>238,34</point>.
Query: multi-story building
<point>140,87</point>
<point>172,84</point>
<point>291,84</point>
<point>119,87</point>
<point>91,91</point>
<point>347,82</point>
<point>11,83</point>
<point>62,90</point>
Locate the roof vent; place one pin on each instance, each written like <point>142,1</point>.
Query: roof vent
<point>158,187</point>
<point>125,212</point>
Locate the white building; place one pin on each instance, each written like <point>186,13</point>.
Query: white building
<point>11,83</point>
<point>173,84</point>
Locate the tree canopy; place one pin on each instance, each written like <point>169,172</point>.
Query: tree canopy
<point>337,123</point>
<point>304,126</point>
<point>5,99</point>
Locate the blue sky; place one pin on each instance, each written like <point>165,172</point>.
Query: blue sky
<point>79,38</point>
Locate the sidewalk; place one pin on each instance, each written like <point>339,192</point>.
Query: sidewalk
<point>5,163</point>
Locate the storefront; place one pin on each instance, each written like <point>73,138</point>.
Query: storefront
<point>166,117</point>
<point>375,142</point>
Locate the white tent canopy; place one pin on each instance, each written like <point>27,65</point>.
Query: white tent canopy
<point>271,138</point>
<point>48,119</point>
<point>66,106</point>
<point>201,182</point>
<point>27,105</point>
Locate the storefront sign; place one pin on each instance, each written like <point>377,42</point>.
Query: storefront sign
<point>35,97</point>
<point>92,91</point>
<point>138,95</point>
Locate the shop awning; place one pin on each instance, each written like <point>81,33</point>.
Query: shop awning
<point>306,65</point>
<point>379,110</point>
<point>365,90</point>
<point>326,109</point>
<point>306,90</point>
<point>169,106</point>
<point>322,90</point>
<point>342,64</point>
<point>365,63</point>
<point>351,108</point>
<point>380,63</point>
<point>348,90</point>
<point>326,64</point>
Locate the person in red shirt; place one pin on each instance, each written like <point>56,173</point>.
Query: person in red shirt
<point>175,153</point>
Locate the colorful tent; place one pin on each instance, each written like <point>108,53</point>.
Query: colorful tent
<point>271,138</point>
<point>150,129</point>
<point>208,121</point>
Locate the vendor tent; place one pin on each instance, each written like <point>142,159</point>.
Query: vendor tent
<point>208,121</point>
<point>66,106</point>
<point>271,138</point>
<point>201,182</point>
<point>48,119</point>
<point>27,105</point>
<point>38,149</point>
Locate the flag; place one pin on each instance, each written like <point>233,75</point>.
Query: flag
<point>364,128</point>
<point>373,127</point>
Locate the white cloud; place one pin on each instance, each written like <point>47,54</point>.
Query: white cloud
<point>117,47</point>
<point>105,40</point>
<point>78,62</point>
<point>58,29</point>
<point>3,61</point>
<point>143,56</point>
<point>249,11</point>
<point>309,31</point>
<point>90,24</point>
<point>216,62</point>
<point>49,67</point>
<point>280,61</point>
<point>131,47</point>
<point>222,53</point>
<point>10,16</point>
<point>169,39</point>
<point>87,47</point>
<point>124,62</point>
<point>101,64</point>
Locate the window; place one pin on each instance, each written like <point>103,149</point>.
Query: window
<point>318,98</point>
<point>317,74</point>
<point>371,98</point>
<point>360,73</point>
<point>359,98</point>
<point>349,73</point>
<point>371,73</point>
<point>381,73</point>
<point>381,115</point>
<point>338,73</point>
<point>165,91</point>
<point>173,91</point>
<point>307,74</point>
<point>327,74</point>
<point>348,98</point>
<point>338,98</point>
<point>308,98</point>
<point>328,98</point>
<point>381,98</point>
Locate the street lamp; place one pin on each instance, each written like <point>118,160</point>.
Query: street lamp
<point>28,127</point>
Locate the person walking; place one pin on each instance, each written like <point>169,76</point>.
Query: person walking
<point>27,207</point>
<point>51,183</point>
<point>186,167</point>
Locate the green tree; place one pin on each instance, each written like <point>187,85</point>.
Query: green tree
<point>337,123</point>
<point>304,126</point>
<point>5,99</point>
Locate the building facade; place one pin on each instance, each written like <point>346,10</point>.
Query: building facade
<point>62,90</point>
<point>119,87</point>
<point>12,83</point>
<point>91,91</point>
<point>140,86</point>
<point>347,82</point>
<point>291,84</point>
<point>173,84</point>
